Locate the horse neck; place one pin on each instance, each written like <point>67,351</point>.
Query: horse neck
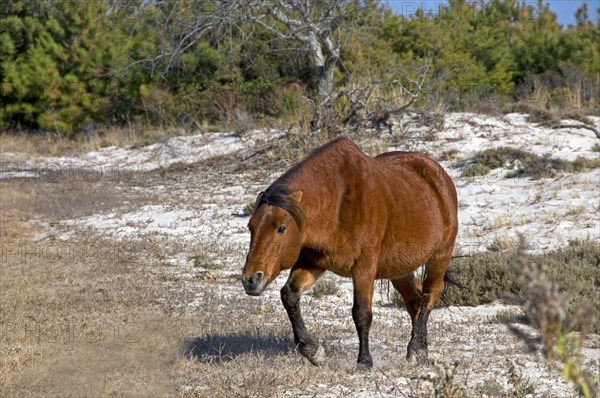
<point>323,181</point>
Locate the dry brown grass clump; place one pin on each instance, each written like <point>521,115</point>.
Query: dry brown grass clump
<point>56,145</point>
<point>547,116</point>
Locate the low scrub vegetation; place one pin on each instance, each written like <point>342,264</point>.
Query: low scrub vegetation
<point>488,277</point>
<point>324,288</point>
<point>549,311</point>
<point>99,316</point>
<point>524,164</point>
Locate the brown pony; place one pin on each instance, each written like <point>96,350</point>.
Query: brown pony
<point>360,217</point>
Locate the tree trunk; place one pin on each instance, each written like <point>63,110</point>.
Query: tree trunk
<point>325,68</point>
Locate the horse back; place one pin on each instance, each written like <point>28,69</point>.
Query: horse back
<point>428,169</point>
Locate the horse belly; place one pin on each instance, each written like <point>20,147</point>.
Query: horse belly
<point>415,232</point>
<point>400,262</point>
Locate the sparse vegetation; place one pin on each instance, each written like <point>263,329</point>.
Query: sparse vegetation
<point>487,277</point>
<point>158,314</point>
<point>525,164</point>
<point>475,170</point>
<point>445,383</point>
<point>213,266</point>
<point>506,315</point>
<point>325,287</point>
<point>249,208</point>
<point>548,311</point>
<point>484,277</point>
<point>502,245</point>
<point>522,386</point>
<point>449,155</point>
<point>575,211</point>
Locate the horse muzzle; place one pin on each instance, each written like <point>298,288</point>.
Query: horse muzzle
<point>255,284</point>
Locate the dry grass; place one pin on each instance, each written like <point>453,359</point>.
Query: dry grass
<point>98,317</point>
<point>475,170</point>
<point>325,287</point>
<point>69,194</point>
<point>77,318</point>
<point>547,309</point>
<point>53,145</point>
<point>94,316</point>
<point>76,321</point>
<point>550,116</point>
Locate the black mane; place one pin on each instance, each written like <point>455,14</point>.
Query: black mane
<point>278,194</point>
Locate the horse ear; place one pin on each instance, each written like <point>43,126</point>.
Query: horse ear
<point>297,196</point>
<point>258,198</point>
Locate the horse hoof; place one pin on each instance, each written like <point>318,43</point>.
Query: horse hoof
<point>418,358</point>
<point>316,356</point>
<point>319,356</point>
<point>364,366</point>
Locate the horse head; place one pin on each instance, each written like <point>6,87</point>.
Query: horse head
<point>276,236</point>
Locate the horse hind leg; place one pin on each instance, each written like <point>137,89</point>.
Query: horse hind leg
<point>410,290</point>
<point>433,287</point>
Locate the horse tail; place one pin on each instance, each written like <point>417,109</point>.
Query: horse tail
<point>450,279</point>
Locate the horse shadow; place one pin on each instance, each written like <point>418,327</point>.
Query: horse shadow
<point>216,349</point>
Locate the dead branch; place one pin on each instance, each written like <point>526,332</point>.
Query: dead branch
<point>580,126</point>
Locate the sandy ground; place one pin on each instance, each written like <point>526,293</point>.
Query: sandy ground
<point>200,213</point>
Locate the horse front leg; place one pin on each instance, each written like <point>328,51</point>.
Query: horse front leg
<point>301,278</point>
<point>363,280</point>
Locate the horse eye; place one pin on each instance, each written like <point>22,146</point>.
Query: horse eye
<point>281,230</point>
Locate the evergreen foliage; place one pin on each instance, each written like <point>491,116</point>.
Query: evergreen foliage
<point>67,66</point>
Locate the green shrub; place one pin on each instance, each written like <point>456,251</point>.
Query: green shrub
<point>475,170</point>
<point>486,276</point>
<point>325,288</point>
<point>529,164</point>
<point>66,65</point>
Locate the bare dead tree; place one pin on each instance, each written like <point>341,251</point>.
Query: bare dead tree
<point>317,29</point>
<point>322,29</point>
<point>374,101</point>
<point>179,24</point>
<point>315,25</point>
